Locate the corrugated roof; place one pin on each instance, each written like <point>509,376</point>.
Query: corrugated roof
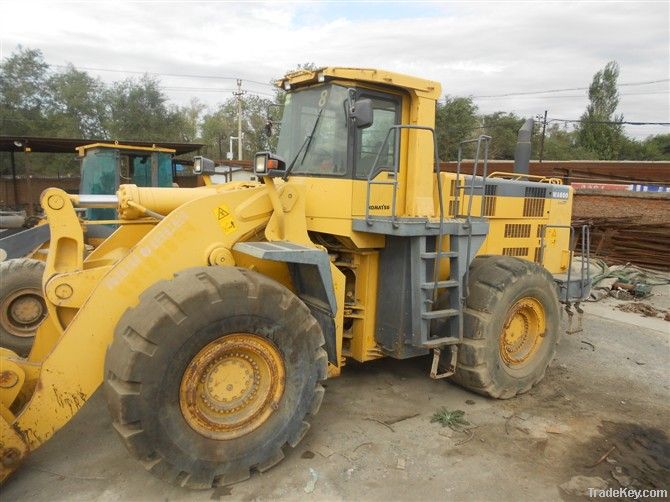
<point>69,145</point>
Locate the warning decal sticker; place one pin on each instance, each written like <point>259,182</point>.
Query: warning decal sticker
<point>225,219</point>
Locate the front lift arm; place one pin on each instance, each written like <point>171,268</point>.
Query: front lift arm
<point>87,298</point>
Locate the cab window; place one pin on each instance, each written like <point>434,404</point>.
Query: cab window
<point>370,141</point>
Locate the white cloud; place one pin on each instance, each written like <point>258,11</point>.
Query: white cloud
<point>471,48</point>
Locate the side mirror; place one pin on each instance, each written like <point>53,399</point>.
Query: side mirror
<point>361,113</point>
<point>268,128</point>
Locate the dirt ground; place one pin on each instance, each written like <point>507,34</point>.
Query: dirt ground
<point>607,390</point>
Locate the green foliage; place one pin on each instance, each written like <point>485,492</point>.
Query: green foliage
<point>455,120</point>
<point>218,126</point>
<point>23,93</point>
<point>138,111</point>
<point>605,139</point>
<point>76,107</point>
<point>652,148</point>
<point>37,101</point>
<point>504,129</point>
<point>561,144</point>
<point>453,419</point>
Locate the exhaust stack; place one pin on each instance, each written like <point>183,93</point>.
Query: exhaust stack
<point>522,151</point>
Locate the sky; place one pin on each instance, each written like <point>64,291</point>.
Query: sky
<point>479,49</point>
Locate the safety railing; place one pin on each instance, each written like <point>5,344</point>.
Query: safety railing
<point>585,271</point>
<point>529,177</point>
<point>376,169</point>
<point>482,139</point>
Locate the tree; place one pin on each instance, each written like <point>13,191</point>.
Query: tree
<point>186,120</point>
<point>220,125</point>
<point>24,93</point>
<point>504,130</point>
<point>658,147</point>
<point>76,107</point>
<point>561,144</point>
<point>455,120</point>
<point>137,111</point>
<point>600,129</point>
<point>651,148</point>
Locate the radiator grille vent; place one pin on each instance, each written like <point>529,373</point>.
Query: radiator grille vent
<point>533,205</point>
<point>517,230</point>
<point>515,251</point>
<point>489,206</point>
<point>452,188</point>
<point>453,207</point>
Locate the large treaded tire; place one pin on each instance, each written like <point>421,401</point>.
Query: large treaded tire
<point>153,345</point>
<point>496,283</point>
<point>20,274</point>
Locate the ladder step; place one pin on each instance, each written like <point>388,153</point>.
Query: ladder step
<point>439,342</point>
<point>431,255</point>
<point>440,284</point>
<point>439,314</point>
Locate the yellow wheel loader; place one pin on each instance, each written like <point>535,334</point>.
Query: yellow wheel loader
<point>104,166</point>
<point>212,315</point>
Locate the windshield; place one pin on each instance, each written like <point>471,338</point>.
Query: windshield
<point>326,152</point>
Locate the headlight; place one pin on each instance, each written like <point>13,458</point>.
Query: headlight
<point>203,165</point>
<point>260,164</point>
<point>268,163</point>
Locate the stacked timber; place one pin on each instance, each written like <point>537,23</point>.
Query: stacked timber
<point>626,227</point>
<point>618,241</point>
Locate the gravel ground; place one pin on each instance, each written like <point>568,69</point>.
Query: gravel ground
<point>607,390</point>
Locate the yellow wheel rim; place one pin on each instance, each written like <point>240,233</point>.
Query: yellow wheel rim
<point>523,332</point>
<point>232,386</point>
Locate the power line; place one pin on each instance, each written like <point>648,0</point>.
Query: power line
<point>609,122</point>
<point>212,89</point>
<point>575,95</point>
<point>625,84</point>
<point>180,75</point>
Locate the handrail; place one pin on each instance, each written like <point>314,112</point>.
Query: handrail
<point>585,270</point>
<point>396,165</point>
<point>530,177</point>
<point>374,171</point>
<point>468,215</point>
<point>475,164</point>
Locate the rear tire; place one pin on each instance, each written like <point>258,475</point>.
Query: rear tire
<point>22,307</point>
<point>511,327</point>
<point>162,342</point>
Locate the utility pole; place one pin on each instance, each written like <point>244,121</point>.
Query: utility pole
<point>220,147</point>
<point>29,177</point>
<point>544,130</point>
<point>239,94</point>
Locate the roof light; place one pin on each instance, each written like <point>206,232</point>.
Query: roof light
<point>287,85</point>
<point>320,77</point>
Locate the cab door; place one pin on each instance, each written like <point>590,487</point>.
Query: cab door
<point>375,157</point>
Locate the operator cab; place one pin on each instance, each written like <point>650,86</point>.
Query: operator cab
<point>362,138</point>
<point>336,131</point>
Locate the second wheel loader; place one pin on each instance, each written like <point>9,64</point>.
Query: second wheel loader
<point>104,166</point>
<point>212,315</point>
